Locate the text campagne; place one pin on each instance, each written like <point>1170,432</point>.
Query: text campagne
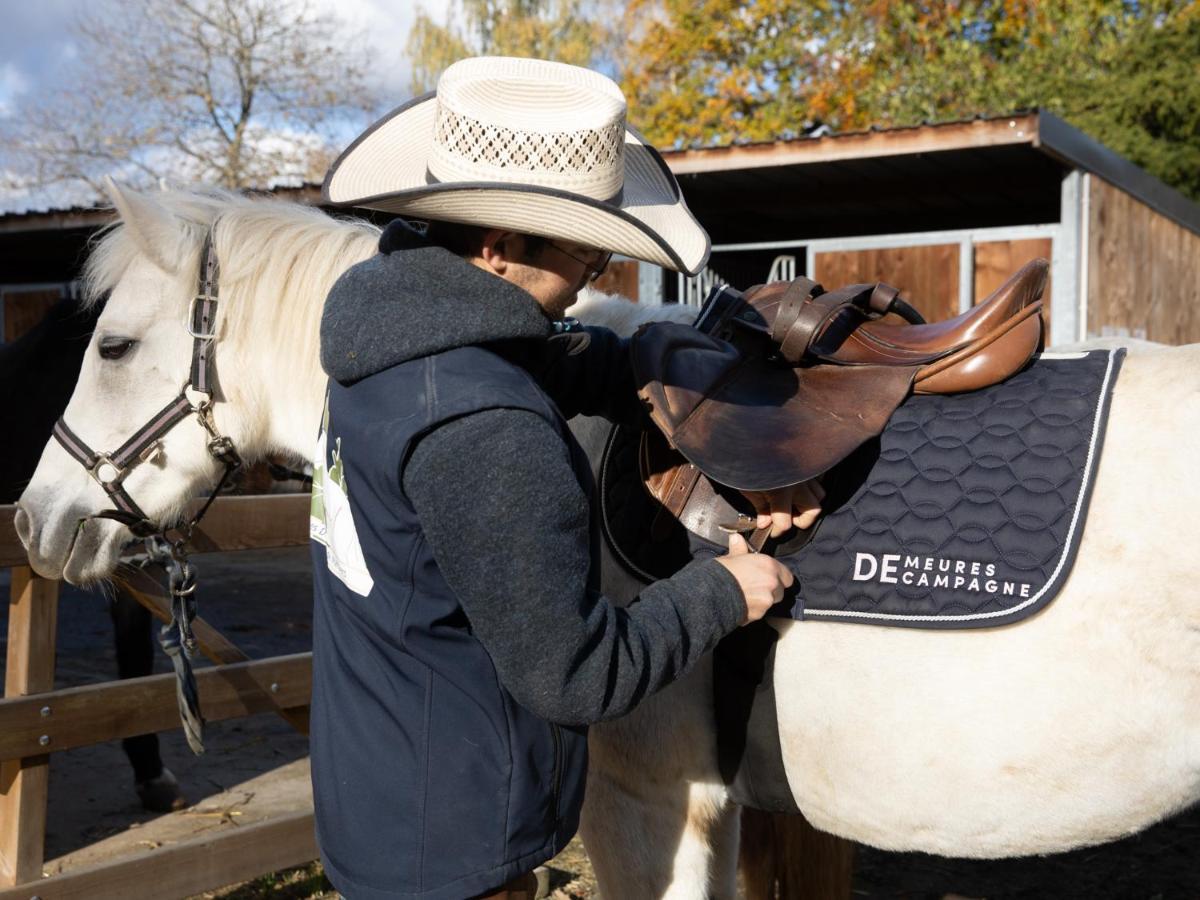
<point>923,571</point>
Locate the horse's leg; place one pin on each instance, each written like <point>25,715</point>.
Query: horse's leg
<point>656,820</point>
<point>783,856</point>
<point>726,834</point>
<point>133,628</point>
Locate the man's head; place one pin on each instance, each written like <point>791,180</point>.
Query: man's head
<point>525,147</point>
<point>553,271</point>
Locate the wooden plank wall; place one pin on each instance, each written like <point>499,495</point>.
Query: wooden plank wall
<point>619,278</point>
<point>1143,270</point>
<point>25,308</point>
<point>996,260</point>
<point>927,276</point>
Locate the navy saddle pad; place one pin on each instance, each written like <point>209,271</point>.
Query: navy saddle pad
<point>972,505</point>
<point>965,512</point>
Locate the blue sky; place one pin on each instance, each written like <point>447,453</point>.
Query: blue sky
<point>36,51</point>
<point>34,41</point>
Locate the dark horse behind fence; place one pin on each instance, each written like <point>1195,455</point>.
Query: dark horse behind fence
<point>38,372</point>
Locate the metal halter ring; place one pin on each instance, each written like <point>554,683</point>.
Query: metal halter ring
<point>103,459</point>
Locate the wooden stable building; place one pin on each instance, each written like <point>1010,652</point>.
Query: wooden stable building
<point>945,212</point>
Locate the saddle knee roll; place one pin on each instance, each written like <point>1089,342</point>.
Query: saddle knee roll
<point>989,360</point>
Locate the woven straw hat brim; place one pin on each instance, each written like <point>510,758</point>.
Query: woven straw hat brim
<point>386,169</point>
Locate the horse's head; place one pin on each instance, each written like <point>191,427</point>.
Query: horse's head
<point>137,362</point>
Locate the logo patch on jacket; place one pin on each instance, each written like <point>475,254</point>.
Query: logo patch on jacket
<point>330,521</point>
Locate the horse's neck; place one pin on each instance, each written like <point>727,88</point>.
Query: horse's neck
<point>278,359</point>
<point>288,386</point>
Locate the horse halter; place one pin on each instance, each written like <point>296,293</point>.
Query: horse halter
<point>110,470</point>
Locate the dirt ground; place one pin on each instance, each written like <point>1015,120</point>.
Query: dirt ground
<point>261,600</point>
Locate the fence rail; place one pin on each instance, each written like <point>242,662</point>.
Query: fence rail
<point>36,720</point>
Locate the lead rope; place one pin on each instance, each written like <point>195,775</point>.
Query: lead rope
<point>176,637</point>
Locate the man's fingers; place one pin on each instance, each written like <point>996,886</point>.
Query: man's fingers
<point>781,521</point>
<point>738,545</point>
<point>807,518</point>
<point>788,577</point>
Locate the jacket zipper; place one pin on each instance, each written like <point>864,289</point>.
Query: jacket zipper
<point>558,766</point>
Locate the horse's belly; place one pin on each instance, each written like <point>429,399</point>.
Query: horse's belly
<point>981,744</point>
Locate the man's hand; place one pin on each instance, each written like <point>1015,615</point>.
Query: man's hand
<point>761,578</point>
<point>798,505</point>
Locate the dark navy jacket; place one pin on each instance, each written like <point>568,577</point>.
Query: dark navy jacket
<point>495,790</point>
<point>430,779</point>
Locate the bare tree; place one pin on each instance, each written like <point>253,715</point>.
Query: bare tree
<point>241,93</point>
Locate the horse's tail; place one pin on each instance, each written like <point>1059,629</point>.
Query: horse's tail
<point>784,857</point>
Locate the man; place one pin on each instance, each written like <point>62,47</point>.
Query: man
<point>460,641</point>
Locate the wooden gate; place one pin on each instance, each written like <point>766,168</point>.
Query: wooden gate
<point>36,720</point>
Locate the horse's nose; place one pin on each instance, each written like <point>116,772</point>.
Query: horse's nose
<point>23,526</point>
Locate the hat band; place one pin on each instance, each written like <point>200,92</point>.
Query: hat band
<point>585,161</point>
<point>615,200</point>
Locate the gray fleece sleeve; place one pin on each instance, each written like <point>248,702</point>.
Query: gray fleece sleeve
<point>509,527</point>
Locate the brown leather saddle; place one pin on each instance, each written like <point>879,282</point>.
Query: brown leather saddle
<point>775,386</point>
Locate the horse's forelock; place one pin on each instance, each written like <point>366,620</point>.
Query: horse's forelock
<point>259,242</point>
<point>113,248</point>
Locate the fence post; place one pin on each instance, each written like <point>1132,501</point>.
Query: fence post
<point>32,627</point>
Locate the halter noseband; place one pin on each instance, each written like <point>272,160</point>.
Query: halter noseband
<point>110,470</point>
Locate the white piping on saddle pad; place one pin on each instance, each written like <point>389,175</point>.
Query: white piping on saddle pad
<point>1067,541</point>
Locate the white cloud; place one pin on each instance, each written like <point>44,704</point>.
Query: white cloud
<point>386,25</point>
<point>13,83</point>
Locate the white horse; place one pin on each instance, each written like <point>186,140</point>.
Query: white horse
<point>1075,727</point>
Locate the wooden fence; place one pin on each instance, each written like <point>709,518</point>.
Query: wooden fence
<point>36,720</point>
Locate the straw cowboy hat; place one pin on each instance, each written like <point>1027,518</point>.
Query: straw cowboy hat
<point>529,145</point>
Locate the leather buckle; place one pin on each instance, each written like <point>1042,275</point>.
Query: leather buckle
<point>191,317</point>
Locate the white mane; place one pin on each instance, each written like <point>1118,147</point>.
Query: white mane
<point>264,246</point>
<point>277,261</point>
<point>624,316</point>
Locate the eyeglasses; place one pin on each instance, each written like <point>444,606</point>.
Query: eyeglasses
<point>596,263</point>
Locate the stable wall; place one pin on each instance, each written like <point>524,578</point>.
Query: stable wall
<point>1143,270</point>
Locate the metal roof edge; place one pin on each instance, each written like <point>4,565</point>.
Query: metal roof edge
<point>1070,145</point>
<point>961,134</point>
<point>58,219</point>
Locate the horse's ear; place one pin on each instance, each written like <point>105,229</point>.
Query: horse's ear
<point>158,233</point>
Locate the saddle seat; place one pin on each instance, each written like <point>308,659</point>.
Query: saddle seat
<point>774,387</point>
<point>995,327</point>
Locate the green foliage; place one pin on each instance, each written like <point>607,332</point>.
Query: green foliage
<point>1128,73</point>
<point>1146,103</point>
<point>702,72</point>
<point>563,30</point>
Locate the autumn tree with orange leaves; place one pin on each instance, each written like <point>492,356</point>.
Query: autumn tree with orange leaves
<point>712,72</point>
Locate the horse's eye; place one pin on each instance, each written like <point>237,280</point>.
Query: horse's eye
<point>115,348</point>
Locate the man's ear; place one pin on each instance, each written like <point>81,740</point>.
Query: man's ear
<point>499,250</point>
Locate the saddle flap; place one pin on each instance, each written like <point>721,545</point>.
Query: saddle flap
<point>751,422</point>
